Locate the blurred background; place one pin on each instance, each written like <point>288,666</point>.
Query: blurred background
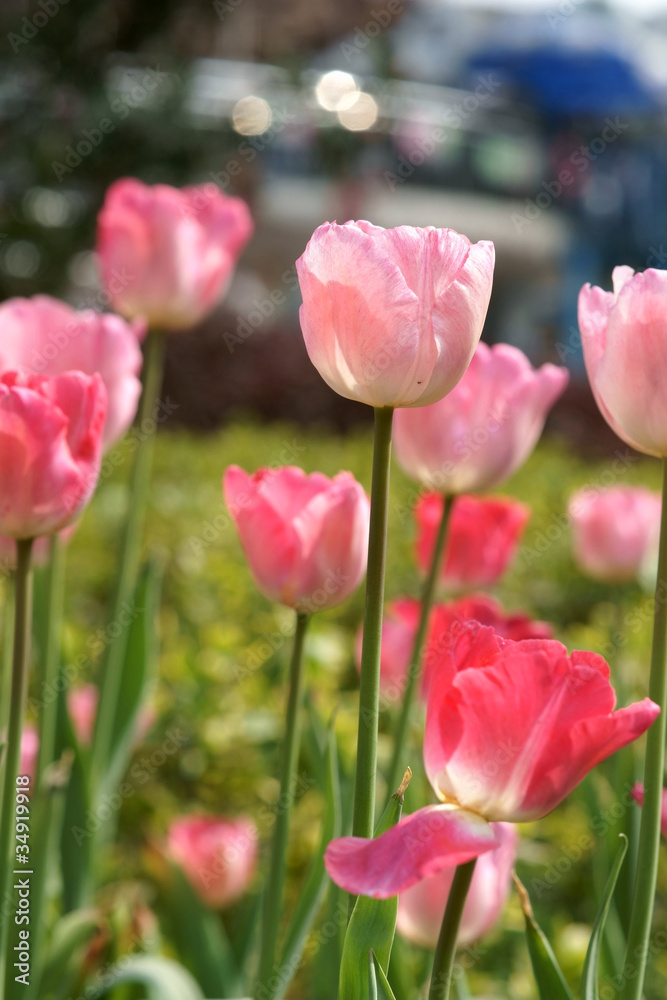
<point>539,125</point>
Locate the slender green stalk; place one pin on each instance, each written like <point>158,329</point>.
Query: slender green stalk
<point>646,878</point>
<point>397,763</point>
<point>369,694</point>
<point>17,702</point>
<point>55,580</point>
<point>443,962</point>
<point>129,558</point>
<point>290,759</point>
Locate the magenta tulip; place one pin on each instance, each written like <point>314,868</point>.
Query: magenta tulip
<point>478,435</point>
<point>50,449</point>
<point>624,337</point>
<point>391,317</point>
<point>167,254</point>
<point>482,538</point>
<point>638,796</point>
<point>422,907</point>
<point>216,855</point>
<point>615,531</point>
<point>305,537</point>
<point>42,336</point>
<point>511,729</point>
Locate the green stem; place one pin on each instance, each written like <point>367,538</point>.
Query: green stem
<point>649,832</point>
<point>443,963</point>
<point>290,758</point>
<point>55,586</point>
<point>397,765</point>
<point>130,552</point>
<point>369,694</point>
<point>17,703</point>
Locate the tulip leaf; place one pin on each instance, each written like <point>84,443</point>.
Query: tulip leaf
<point>383,989</point>
<point>62,960</point>
<point>162,978</point>
<point>372,924</point>
<point>589,986</point>
<point>312,894</point>
<point>550,980</point>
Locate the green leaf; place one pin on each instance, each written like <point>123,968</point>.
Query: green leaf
<point>163,978</point>
<point>372,924</point>
<point>384,991</point>
<point>550,980</point>
<point>63,956</point>
<point>589,986</point>
<point>312,894</point>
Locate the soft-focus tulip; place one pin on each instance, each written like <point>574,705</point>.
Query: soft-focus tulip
<point>615,531</point>
<point>41,550</point>
<point>217,855</point>
<point>391,317</point>
<point>483,536</point>
<point>50,449</point>
<point>638,796</point>
<point>82,707</point>
<point>624,337</point>
<point>42,336</point>
<point>305,537</point>
<point>399,628</point>
<point>167,254</point>
<point>511,729</point>
<point>29,752</point>
<point>421,908</point>
<point>484,429</point>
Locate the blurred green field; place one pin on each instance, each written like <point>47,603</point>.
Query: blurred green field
<point>224,649</point>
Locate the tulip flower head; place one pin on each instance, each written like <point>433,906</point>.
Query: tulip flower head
<point>638,796</point>
<point>29,752</point>
<point>615,531</point>
<point>51,448</point>
<point>624,338</point>
<point>217,855</point>
<point>42,336</point>
<point>391,317</point>
<point>511,729</point>
<point>479,434</point>
<point>305,536</point>
<point>167,254</point>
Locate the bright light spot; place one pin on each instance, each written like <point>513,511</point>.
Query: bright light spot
<point>251,116</point>
<point>49,208</point>
<point>357,111</point>
<point>22,259</point>
<point>333,87</point>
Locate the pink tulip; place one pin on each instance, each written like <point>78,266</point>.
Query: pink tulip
<point>305,537</point>
<point>217,855</point>
<point>511,729</point>
<point>82,707</point>
<point>484,429</point>
<point>51,437</point>
<point>422,907</point>
<point>167,254</point>
<point>399,628</point>
<point>42,336</point>
<point>624,337</point>
<point>29,752</point>
<point>41,550</point>
<point>391,317</point>
<point>482,538</point>
<point>615,531</point>
<point>638,796</point>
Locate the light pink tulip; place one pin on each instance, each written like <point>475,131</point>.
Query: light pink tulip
<point>638,796</point>
<point>624,337</point>
<point>484,429</point>
<point>42,336</point>
<point>422,907</point>
<point>167,254</point>
<point>305,537</point>
<point>217,855</point>
<point>511,729</point>
<point>391,317</point>
<point>482,538</point>
<point>615,531</point>
<point>51,449</point>
<point>29,752</point>
<point>82,707</point>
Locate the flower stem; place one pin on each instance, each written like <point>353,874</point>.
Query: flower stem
<point>649,832</point>
<point>397,766</point>
<point>443,963</point>
<point>55,580</point>
<point>130,551</point>
<point>369,694</point>
<point>17,702</point>
<point>290,758</point>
